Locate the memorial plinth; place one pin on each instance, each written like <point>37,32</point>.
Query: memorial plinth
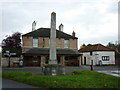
<point>54,69</point>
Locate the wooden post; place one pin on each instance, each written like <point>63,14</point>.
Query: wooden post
<point>62,60</point>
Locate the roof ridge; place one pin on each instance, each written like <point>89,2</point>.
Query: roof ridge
<point>45,32</point>
<point>96,47</point>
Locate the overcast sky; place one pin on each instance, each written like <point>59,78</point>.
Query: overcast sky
<point>94,21</point>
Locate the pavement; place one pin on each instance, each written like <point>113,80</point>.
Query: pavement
<point>110,70</point>
<point>13,84</point>
<point>113,73</point>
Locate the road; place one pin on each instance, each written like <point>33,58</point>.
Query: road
<point>68,69</point>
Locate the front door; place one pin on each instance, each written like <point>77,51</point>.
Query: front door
<point>36,61</point>
<point>84,60</point>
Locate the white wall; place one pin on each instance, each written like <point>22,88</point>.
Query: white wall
<point>87,55</point>
<point>97,56</point>
<point>111,55</point>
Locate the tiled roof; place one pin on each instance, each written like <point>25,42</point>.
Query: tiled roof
<point>45,32</point>
<point>44,51</point>
<point>96,47</point>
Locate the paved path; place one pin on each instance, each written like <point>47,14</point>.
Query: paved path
<point>7,84</point>
<point>13,84</point>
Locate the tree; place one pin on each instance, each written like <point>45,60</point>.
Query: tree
<point>89,44</point>
<point>116,47</point>
<point>111,45</point>
<point>82,46</point>
<point>12,43</point>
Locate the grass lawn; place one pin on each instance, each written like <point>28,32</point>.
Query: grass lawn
<point>79,79</point>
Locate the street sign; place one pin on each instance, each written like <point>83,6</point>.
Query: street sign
<point>7,51</point>
<point>9,54</point>
<point>12,53</point>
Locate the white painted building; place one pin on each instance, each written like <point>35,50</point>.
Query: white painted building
<point>97,55</point>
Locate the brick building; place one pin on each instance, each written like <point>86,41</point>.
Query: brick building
<point>36,48</point>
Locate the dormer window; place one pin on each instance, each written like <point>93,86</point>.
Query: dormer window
<point>35,42</point>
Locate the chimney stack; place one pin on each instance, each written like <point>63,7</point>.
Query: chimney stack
<point>73,34</point>
<point>33,26</point>
<point>61,27</point>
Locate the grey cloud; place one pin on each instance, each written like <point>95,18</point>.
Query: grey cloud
<point>113,7</point>
<point>16,16</point>
<point>103,40</point>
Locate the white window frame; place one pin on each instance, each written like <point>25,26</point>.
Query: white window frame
<point>35,42</point>
<point>105,58</point>
<point>66,43</point>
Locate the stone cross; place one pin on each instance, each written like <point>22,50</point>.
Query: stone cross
<point>53,59</point>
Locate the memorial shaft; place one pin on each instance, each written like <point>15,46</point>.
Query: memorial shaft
<point>52,57</point>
